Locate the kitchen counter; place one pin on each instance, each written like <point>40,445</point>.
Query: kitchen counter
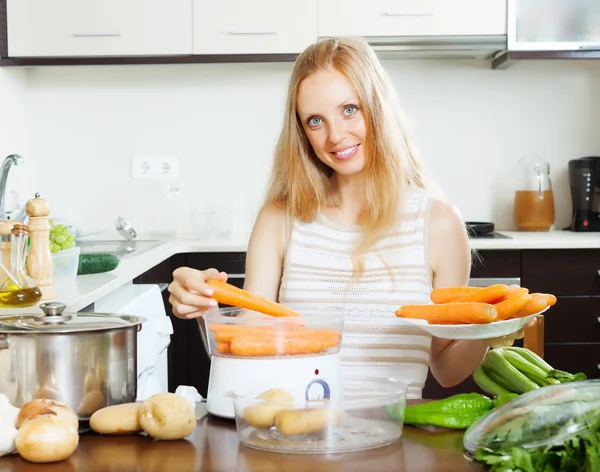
<point>87,289</point>
<point>214,447</point>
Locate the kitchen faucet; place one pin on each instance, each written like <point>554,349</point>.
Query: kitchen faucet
<point>9,161</point>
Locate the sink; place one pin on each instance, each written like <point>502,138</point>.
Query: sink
<point>120,248</point>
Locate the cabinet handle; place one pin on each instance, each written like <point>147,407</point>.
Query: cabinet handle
<point>598,319</point>
<point>252,33</point>
<point>95,35</point>
<point>240,276</point>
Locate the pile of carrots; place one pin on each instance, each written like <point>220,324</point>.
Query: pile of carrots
<point>267,341</point>
<point>478,305</point>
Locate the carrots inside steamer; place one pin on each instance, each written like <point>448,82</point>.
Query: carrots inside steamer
<point>234,296</point>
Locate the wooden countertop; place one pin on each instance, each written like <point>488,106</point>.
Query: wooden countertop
<point>214,447</point>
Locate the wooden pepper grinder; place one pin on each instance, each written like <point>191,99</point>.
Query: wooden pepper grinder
<point>39,260</point>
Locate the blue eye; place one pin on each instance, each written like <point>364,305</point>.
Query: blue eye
<point>350,109</point>
<point>314,121</point>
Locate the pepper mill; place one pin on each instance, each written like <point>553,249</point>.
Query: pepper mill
<point>39,260</point>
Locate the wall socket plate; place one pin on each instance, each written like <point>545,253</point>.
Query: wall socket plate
<point>155,167</point>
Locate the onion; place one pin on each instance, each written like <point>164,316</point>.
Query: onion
<point>42,406</point>
<point>47,438</point>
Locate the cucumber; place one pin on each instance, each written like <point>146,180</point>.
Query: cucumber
<point>96,263</point>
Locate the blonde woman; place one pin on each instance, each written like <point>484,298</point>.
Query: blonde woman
<point>350,221</point>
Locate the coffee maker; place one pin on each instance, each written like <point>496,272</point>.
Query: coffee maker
<point>584,179</point>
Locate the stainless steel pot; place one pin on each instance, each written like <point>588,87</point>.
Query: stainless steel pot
<point>86,360</point>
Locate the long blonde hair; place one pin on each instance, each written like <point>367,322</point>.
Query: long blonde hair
<point>300,181</point>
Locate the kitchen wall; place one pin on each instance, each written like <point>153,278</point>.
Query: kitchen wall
<point>14,128</point>
<point>471,125</point>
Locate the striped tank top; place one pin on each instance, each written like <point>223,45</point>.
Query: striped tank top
<point>317,271</point>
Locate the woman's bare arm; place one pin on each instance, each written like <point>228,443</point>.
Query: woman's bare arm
<point>450,258</point>
<point>264,257</point>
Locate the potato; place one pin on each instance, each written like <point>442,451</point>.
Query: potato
<point>117,419</point>
<point>308,420</point>
<point>263,415</point>
<point>46,438</point>
<point>167,416</point>
<point>42,406</point>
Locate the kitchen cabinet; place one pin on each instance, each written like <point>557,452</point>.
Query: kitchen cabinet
<point>62,28</point>
<point>412,17</point>
<point>572,326</point>
<point>254,27</point>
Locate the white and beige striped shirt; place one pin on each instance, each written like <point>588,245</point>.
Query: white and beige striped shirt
<point>317,271</point>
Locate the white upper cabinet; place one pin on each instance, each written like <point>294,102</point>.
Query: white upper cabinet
<point>412,17</point>
<point>254,26</point>
<point>55,28</point>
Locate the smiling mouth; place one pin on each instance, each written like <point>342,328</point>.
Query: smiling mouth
<point>346,153</point>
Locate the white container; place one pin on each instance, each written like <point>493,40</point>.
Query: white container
<point>290,355</point>
<point>65,264</point>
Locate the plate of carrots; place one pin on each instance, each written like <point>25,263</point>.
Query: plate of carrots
<point>477,312</point>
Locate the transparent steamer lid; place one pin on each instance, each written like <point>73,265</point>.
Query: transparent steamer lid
<point>546,416</point>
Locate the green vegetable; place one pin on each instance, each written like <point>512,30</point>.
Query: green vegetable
<point>505,374</point>
<point>457,412</point>
<point>96,263</point>
<point>531,357</point>
<point>504,398</point>
<point>579,453</point>
<point>485,383</point>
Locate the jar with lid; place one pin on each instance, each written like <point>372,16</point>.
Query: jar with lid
<point>18,289</point>
<point>534,200</point>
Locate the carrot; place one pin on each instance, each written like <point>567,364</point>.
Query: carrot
<point>223,348</point>
<point>262,346</point>
<point>449,294</point>
<point>450,313</point>
<point>538,302</point>
<point>234,296</point>
<point>513,290</point>
<point>511,305</point>
<point>551,299</point>
<point>489,294</point>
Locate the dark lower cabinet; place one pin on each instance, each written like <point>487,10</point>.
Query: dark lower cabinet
<point>572,327</point>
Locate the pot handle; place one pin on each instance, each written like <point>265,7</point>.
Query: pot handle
<point>3,342</point>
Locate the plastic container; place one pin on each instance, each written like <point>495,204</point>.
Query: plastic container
<point>543,417</point>
<point>65,263</point>
<point>241,333</point>
<point>363,413</point>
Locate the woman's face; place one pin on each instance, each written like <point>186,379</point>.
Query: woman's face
<point>329,111</point>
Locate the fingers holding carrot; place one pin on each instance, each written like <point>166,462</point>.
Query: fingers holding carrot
<point>190,294</point>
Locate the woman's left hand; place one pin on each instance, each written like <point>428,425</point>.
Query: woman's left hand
<point>509,339</point>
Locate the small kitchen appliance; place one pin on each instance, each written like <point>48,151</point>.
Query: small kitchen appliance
<point>251,350</point>
<point>584,180</point>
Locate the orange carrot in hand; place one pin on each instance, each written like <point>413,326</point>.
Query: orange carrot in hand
<point>450,313</point>
<point>234,296</point>
<point>489,294</point>
<point>512,305</point>
<point>538,302</point>
<point>450,294</point>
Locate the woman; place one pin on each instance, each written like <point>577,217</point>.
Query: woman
<point>350,221</point>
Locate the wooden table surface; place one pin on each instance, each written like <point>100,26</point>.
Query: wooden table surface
<point>214,447</point>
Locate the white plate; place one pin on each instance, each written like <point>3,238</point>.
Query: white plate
<point>474,331</point>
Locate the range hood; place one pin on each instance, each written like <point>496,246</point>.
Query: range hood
<point>437,47</point>
<point>550,29</point>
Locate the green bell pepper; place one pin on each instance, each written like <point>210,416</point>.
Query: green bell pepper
<point>457,412</point>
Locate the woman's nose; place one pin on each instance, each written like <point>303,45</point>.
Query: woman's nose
<point>336,133</point>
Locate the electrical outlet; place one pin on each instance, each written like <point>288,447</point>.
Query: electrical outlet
<point>155,167</point>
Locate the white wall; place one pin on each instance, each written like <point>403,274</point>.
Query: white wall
<point>471,124</point>
<point>14,127</point>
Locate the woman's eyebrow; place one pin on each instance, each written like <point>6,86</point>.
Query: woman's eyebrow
<point>344,103</point>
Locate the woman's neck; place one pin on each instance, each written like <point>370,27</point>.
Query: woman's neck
<point>348,196</point>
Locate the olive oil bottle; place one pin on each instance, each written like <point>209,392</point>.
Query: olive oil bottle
<point>18,289</point>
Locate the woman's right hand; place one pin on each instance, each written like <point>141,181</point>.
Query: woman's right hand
<point>191,296</point>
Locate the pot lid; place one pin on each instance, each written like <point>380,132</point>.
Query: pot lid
<point>53,320</point>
